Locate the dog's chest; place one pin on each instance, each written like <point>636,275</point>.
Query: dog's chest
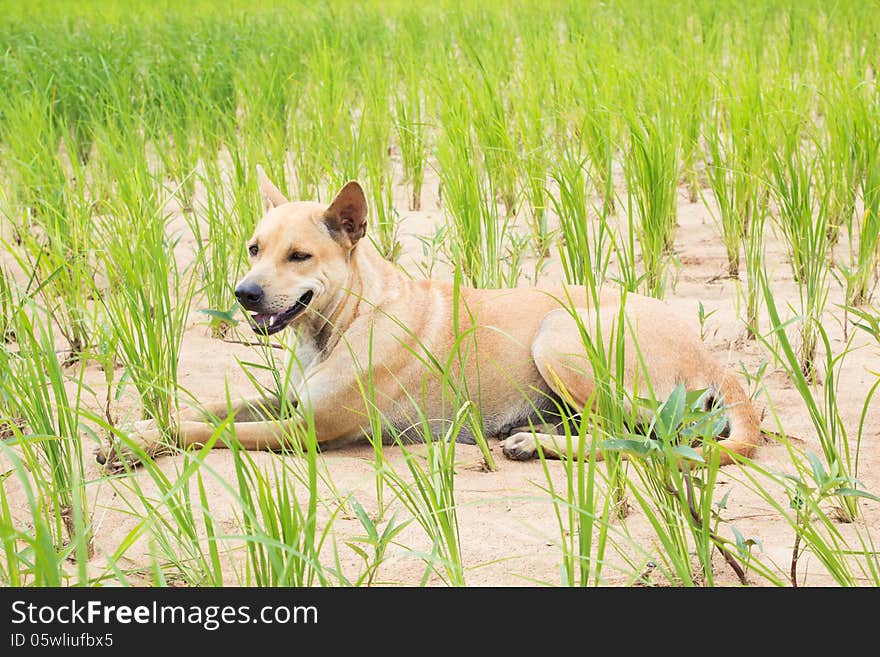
<point>307,353</point>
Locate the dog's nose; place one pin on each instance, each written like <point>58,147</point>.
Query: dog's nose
<point>249,294</point>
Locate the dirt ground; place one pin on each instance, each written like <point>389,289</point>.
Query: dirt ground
<point>509,532</point>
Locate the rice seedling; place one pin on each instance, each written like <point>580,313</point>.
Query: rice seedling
<point>692,90</point>
<point>410,131</point>
<point>31,138</point>
<point>732,182</point>
<point>30,554</point>
<point>703,317</point>
<point>431,499</point>
<point>434,251</point>
<point>735,174</point>
<point>803,220</point>
<point>754,257</point>
<point>59,250</point>
<point>530,130</point>
<point>268,92</point>
<point>176,131</point>
<point>863,274</point>
<point>595,120</point>
<point>610,412</point>
<point>328,115</point>
<point>623,244</point>
<point>585,249</point>
<point>845,144</point>
<point>824,411</point>
<point>146,283</point>
<point>678,484</point>
<point>283,542</point>
<point>50,215</point>
<point>375,131</point>
<point>478,230</point>
<point>8,307</point>
<point>598,135</point>
<point>651,168</point>
<point>220,254</point>
<point>47,429</point>
<point>815,531</point>
<point>377,542</point>
<point>183,542</point>
<point>582,511</point>
<point>492,127</point>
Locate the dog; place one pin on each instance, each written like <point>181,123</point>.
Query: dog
<point>361,324</point>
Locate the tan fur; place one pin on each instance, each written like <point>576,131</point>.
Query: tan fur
<point>519,346</point>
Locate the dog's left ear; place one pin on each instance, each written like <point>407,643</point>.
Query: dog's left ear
<point>347,214</point>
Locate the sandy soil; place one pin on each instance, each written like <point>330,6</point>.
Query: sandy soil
<point>509,532</point>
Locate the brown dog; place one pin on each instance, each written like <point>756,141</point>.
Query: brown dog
<point>361,324</point>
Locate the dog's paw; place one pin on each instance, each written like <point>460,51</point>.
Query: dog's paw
<point>520,446</point>
<point>115,458</point>
<point>143,437</point>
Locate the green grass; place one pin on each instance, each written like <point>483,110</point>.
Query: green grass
<point>651,167</point>
<point>585,245</point>
<point>46,425</point>
<point>803,221</point>
<point>583,509</point>
<point>862,276</point>
<point>677,491</point>
<point>822,405</point>
<point>8,306</point>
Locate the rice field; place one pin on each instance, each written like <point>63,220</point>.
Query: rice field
<point>721,156</point>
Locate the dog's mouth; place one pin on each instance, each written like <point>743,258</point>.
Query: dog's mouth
<point>267,324</point>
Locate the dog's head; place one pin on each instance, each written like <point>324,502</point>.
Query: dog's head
<point>300,255</point>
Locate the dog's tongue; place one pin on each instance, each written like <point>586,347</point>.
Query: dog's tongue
<point>262,321</point>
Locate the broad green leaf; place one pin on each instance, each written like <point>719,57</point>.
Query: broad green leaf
<point>818,471</point>
<point>853,492</point>
<point>636,447</point>
<point>688,453</point>
<point>360,551</point>
<point>695,398</point>
<point>225,315</point>
<point>671,413</point>
<point>740,541</point>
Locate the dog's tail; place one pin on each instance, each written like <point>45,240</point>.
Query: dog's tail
<point>744,427</point>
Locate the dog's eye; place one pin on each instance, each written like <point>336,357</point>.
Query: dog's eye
<point>253,249</point>
<point>298,256</point>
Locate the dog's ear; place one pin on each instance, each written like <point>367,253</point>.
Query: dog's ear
<point>272,196</point>
<point>347,215</point>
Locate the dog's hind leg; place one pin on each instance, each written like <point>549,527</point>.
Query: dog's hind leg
<point>523,445</point>
<point>663,352</point>
<point>560,356</point>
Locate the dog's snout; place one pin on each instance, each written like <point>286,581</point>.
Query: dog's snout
<point>249,294</point>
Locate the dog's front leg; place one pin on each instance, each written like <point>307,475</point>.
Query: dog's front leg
<point>194,426</point>
<point>142,437</point>
<point>253,409</point>
<point>331,392</point>
<point>271,435</point>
